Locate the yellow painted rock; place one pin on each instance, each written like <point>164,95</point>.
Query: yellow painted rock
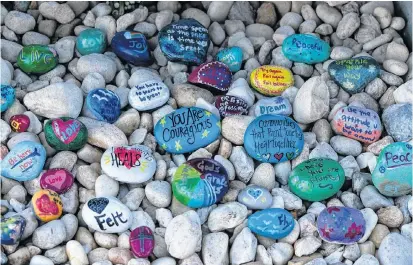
<point>271,80</point>
<point>47,205</point>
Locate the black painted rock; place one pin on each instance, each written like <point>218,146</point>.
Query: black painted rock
<point>230,105</point>
<point>132,47</point>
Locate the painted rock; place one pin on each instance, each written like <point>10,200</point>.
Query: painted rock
<point>215,75</point>
<point>141,241</point>
<point>230,105</point>
<point>132,47</point>
<point>107,215</point>
<point>341,225</point>
<point>185,41</point>
<point>24,162</point>
<point>12,229</point>
<point>37,59</point>
<point>361,124</point>
<point>305,48</point>
<point>148,95</point>
<point>47,205</point>
<point>273,139</point>
<point>91,41</point>
<point>64,134</point>
<point>255,197</point>
<point>58,180</point>
<point>130,164</point>
<point>393,173</point>
<point>200,182</point>
<point>271,80</point>
<point>186,130</point>
<point>354,74</point>
<point>7,97</point>
<point>103,105</point>
<point>275,105</point>
<point>232,57</point>
<point>316,179</point>
<point>274,223</point>
<point>19,123</point>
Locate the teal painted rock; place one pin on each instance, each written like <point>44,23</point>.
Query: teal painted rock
<point>274,223</point>
<point>65,134</point>
<point>316,179</point>
<point>393,173</point>
<point>91,41</point>
<point>305,48</point>
<point>7,97</point>
<point>232,57</point>
<point>37,59</point>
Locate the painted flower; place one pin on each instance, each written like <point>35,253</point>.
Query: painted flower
<point>333,72</point>
<point>409,146</point>
<point>372,68</point>
<point>326,231</point>
<point>333,209</point>
<point>353,231</point>
<point>382,169</point>
<point>347,84</point>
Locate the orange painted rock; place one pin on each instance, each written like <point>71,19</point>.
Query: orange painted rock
<point>47,205</point>
<point>271,80</point>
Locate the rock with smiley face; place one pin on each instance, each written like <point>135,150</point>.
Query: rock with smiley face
<point>255,197</point>
<point>65,134</point>
<point>47,205</point>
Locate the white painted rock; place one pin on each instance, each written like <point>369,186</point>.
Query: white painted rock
<point>148,95</point>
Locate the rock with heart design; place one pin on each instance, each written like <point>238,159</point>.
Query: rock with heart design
<point>142,242</point>
<point>58,180</point>
<point>273,223</point>
<point>200,182</point>
<point>12,229</point>
<point>91,41</point>
<point>24,162</point>
<point>65,134</point>
<point>271,80</point>
<point>255,197</point>
<point>148,95</point>
<point>37,59</point>
<point>7,97</point>
<point>47,205</point>
<point>305,48</point>
<point>129,164</point>
<point>19,122</point>
<point>341,225</point>
<point>132,47</point>
<point>316,179</point>
<point>232,57</point>
<point>230,105</point>
<point>103,105</point>
<point>354,74</point>
<point>107,215</point>
<point>215,75</point>
<point>273,105</point>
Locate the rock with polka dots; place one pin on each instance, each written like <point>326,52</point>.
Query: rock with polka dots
<point>214,75</point>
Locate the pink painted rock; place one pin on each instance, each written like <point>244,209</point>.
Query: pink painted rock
<point>19,122</point>
<point>141,241</point>
<point>215,75</point>
<point>59,180</point>
<point>3,151</point>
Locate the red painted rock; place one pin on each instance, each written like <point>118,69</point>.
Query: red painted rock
<point>214,75</point>
<point>230,105</point>
<point>19,122</point>
<point>141,241</point>
<point>59,180</point>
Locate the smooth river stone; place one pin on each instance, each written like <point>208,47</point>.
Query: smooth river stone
<point>37,59</point>
<point>24,162</point>
<point>271,80</point>
<point>47,205</point>
<point>393,173</point>
<point>305,48</point>
<point>91,41</point>
<point>64,134</point>
<point>58,180</point>
<point>215,75</point>
<point>341,225</point>
<point>129,164</point>
<point>7,97</point>
<point>354,74</point>
<point>103,105</point>
<point>148,95</point>
<point>274,105</point>
<point>186,130</point>
<point>141,241</point>
<point>273,223</point>
<point>12,229</point>
<point>316,179</point>
<point>232,57</point>
<point>273,139</point>
<point>200,182</point>
<point>132,47</point>
<point>19,123</point>
<point>358,123</point>
<point>255,197</point>
<point>230,105</point>
<point>107,215</point>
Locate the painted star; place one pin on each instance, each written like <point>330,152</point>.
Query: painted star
<point>219,124</point>
<point>178,145</point>
<point>163,121</point>
<point>205,134</point>
<point>163,146</point>
<point>207,113</point>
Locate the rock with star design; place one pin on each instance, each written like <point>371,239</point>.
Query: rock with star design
<point>215,75</point>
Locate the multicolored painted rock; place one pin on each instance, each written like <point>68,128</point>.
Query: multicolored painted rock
<point>305,48</point>
<point>353,75</point>
<point>47,205</point>
<point>358,123</point>
<point>255,197</point>
<point>271,80</point>
<point>341,225</point>
<point>129,164</point>
<point>230,105</point>
<point>185,41</point>
<point>275,105</point>
<point>103,104</point>
<point>273,139</point>
<point>316,179</point>
<point>232,57</point>
<point>200,182</point>
<point>393,173</point>
<point>91,41</point>
<point>7,97</point>
<point>186,130</point>
<point>37,59</point>
<point>24,162</point>
<point>64,134</point>
<point>58,180</point>
<point>273,223</point>
<point>132,47</point>
<point>12,229</point>
<point>142,242</point>
<point>19,123</point>
<point>148,95</point>
<point>215,75</point>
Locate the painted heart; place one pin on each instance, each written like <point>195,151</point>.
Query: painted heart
<point>127,157</point>
<point>66,131</point>
<point>58,180</point>
<point>290,155</point>
<point>46,206</point>
<point>254,193</point>
<point>278,156</point>
<point>98,204</point>
<point>266,156</point>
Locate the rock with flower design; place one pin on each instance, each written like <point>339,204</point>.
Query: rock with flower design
<point>7,97</point>
<point>103,105</point>
<point>19,123</point>
<point>47,205</point>
<point>341,225</point>
<point>12,229</point>
<point>215,75</point>
<point>58,180</point>
<point>141,241</point>
<point>305,48</point>
<point>232,57</point>
<point>230,105</point>
<point>255,197</point>
<point>271,80</point>
<point>273,223</point>
<point>65,134</point>
<point>274,105</point>
<point>37,59</point>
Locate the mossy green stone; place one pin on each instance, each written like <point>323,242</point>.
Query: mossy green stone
<point>37,59</point>
<point>91,41</point>
<point>65,134</point>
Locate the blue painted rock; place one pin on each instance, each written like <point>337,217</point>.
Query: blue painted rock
<point>91,41</point>
<point>184,41</point>
<point>274,223</point>
<point>232,57</point>
<point>12,229</point>
<point>273,139</point>
<point>341,225</point>
<point>65,134</point>
<point>393,173</point>
<point>361,124</point>
<point>187,129</point>
<point>148,95</point>
<point>19,123</point>
<point>132,47</point>
<point>230,105</point>
<point>24,162</point>
<point>7,97</point>
<point>305,48</point>
<point>275,105</point>
<point>354,74</point>
<point>103,105</point>
<point>255,197</point>
<point>215,75</point>
<point>142,242</point>
<point>200,182</point>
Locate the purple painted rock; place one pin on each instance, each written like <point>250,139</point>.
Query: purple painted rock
<point>215,75</point>
<point>341,225</point>
<point>141,241</point>
<point>19,123</point>
<point>59,180</point>
<point>230,105</point>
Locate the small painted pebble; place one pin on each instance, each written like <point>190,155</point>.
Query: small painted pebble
<point>58,180</point>
<point>232,57</point>
<point>91,41</point>
<point>274,105</point>
<point>37,59</point>
<point>271,80</point>
<point>19,122</point>
<point>148,95</point>
<point>255,197</point>
<point>305,48</point>
<point>12,229</point>
<point>47,205</point>
<point>7,97</point>
<point>274,223</point>
<point>65,133</point>
<point>141,241</point>
<point>230,105</point>
<point>132,47</point>
<point>213,75</point>
<point>103,105</point>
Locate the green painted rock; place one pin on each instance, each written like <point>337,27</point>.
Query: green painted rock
<point>316,179</point>
<point>37,59</point>
<point>91,41</point>
<point>65,134</point>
